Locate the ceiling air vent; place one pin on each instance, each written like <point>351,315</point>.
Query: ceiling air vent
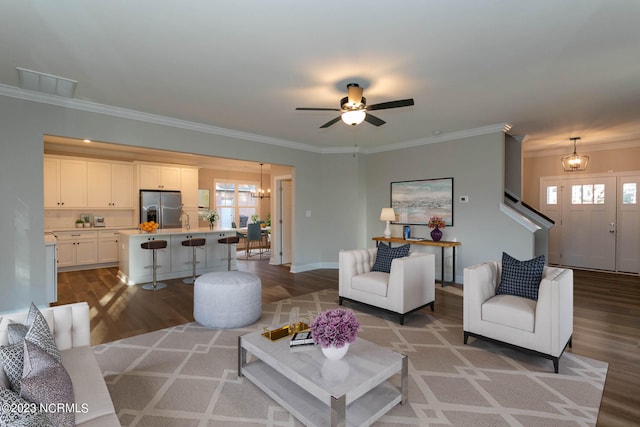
<point>46,83</point>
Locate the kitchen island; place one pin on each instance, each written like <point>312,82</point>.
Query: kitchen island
<point>175,260</point>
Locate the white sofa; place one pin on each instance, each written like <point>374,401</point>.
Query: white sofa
<point>409,286</point>
<point>70,325</point>
<point>543,327</point>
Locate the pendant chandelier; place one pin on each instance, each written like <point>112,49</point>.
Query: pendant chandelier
<point>261,193</point>
<point>574,162</point>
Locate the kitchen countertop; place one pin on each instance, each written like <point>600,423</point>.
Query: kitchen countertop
<point>61,229</point>
<point>49,239</point>
<point>171,231</point>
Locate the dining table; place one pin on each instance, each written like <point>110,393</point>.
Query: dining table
<point>265,231</point>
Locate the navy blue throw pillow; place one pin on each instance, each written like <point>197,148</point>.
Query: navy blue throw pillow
<point>521,278</point>
<point>386,254</point>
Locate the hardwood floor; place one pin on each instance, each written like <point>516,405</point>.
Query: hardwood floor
<point>606,317</point>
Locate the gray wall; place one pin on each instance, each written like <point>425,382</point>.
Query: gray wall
<point>343,193</point>
<point>513,166</point>
<point>476,165</point>
<point>23,125</point>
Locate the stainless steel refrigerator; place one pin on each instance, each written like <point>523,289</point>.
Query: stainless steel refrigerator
<point>163,207</point>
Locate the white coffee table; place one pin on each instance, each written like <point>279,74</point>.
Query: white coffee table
<point>354,391</point>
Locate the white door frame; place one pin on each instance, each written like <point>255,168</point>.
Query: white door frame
<point>621,229</point>
<point>276,232</point>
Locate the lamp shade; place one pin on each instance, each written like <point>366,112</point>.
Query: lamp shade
<point>354,117</point>
<point>387,214</point>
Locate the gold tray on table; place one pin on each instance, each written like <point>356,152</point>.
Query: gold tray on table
<point>284,331</point>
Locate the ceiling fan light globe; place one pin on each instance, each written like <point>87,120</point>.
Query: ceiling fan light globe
<point>353,118</point>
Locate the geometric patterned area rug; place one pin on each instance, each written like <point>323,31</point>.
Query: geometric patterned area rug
<point>187,376</point>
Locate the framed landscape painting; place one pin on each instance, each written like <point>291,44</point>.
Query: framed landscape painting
<point>414,202</point>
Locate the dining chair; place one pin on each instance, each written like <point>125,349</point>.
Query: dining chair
<point>254,234</point>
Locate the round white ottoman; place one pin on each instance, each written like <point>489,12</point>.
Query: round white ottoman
<point>228,299</point>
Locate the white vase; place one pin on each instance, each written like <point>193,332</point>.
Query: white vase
<point>335,353</point>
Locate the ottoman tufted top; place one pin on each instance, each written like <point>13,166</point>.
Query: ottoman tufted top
<point>232,278</point>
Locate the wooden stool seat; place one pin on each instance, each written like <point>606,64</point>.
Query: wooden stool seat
<point>154,244</point>
<point>229,240</point>
<point>196,241</point>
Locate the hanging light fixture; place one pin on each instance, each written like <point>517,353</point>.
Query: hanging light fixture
<point>574,162</point>
<point>352,106</point>
<point>261,193</point>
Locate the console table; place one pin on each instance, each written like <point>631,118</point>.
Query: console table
<point>442,244</point>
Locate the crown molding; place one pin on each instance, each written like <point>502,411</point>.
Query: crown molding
<point>485,130</point>
<point>584,148</point>
<point>93,107</point>
<point>76,104</point>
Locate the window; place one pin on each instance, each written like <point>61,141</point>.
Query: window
<point>629,193</point>
<point>234,203</point>
<point>587,194</point>
<point>552,195</point>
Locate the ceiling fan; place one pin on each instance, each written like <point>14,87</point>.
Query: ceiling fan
<point>355,110</point>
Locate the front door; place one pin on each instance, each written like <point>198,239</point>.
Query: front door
<point>588,224</point>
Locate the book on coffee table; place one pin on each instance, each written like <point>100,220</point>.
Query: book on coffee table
<point>301,338</point>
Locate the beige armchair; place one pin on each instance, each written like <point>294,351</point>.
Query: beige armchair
<point>543,327</point>
<point>409,286</point>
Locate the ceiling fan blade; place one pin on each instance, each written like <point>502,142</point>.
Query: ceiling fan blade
<point>391,104</point>
<point>376,121</point>
<point>330,122</point>
<point>317,109</point>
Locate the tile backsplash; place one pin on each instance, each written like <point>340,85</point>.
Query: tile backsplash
<point>56,219</point>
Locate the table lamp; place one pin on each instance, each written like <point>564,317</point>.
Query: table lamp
<point>387,214</point>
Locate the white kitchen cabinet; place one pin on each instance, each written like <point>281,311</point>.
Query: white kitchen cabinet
<point>65,183</point>
<point>181,256</point>
<point>111,185</point>
<point>174,259</point>
<point>189,187</point>
<point>108,246</point>
<point>157,177</point>
<point>77,248</point>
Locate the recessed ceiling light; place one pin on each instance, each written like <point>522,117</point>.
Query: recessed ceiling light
<point>46,83</point>
<point>437,132</point>
<point>87,140</point>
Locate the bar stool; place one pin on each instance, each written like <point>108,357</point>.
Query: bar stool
<point>231,240</point>
<point>154,245</point>
<point>193,243</point>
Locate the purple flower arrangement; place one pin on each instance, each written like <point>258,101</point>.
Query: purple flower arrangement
<point>336,327</point>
